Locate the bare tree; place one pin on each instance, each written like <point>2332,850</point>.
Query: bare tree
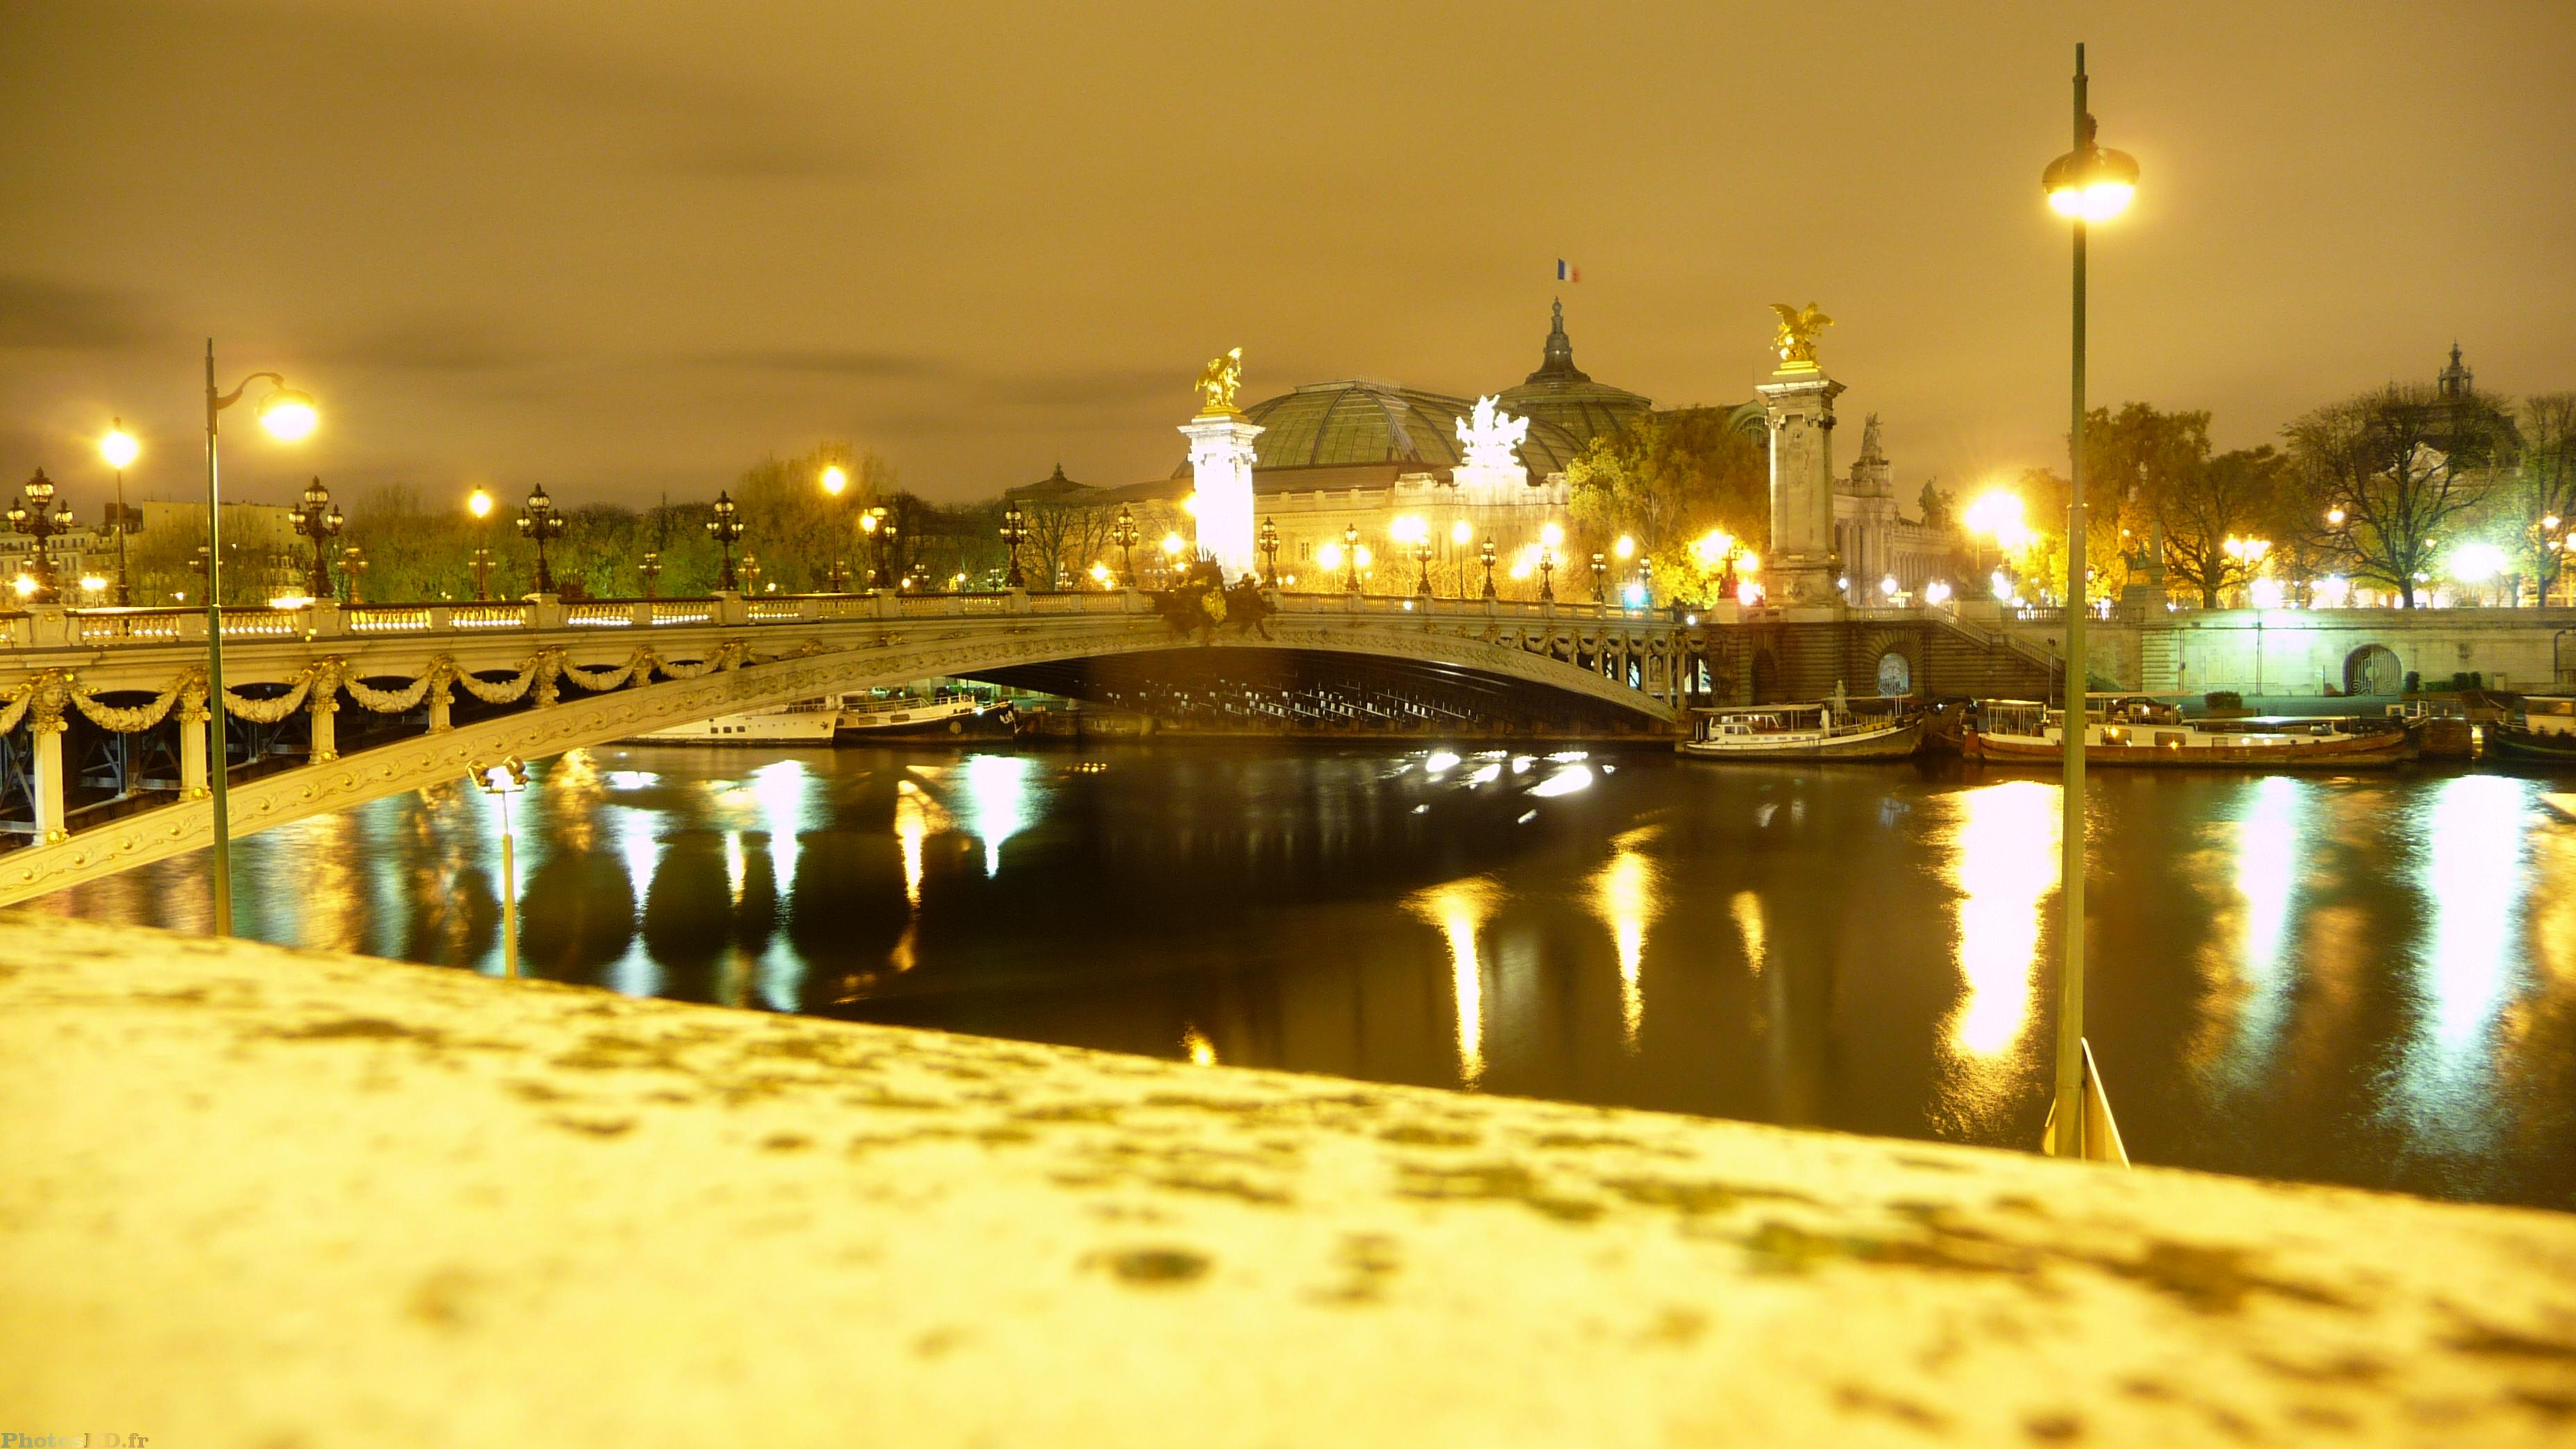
<point>2205,504</point>
<point>2399,465</point>
<point>2546,484</point>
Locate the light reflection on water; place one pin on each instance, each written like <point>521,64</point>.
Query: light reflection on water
<point>2366,980</point>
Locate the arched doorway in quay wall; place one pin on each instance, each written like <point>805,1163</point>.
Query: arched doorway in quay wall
<point>2373,669</point>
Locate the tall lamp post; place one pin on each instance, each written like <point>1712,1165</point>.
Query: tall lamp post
<point>1600,573</point>
<point>650,570</point>
<point>726,529</point>
<point>120,450</point>
<point>540,523</point>
<point>2086,185</point>
<point>1015,531</point>
<point>290,416</point>
<point>1123,533</point>
<point>39,517</point>
<point>318,521</point>
<point>1351,557</point>
<point>1269,545</point>
<point>1485,556</point>
<point>353,570</point>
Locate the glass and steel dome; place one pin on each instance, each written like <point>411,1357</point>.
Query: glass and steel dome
<point>1567,399</point>
<point>1325,424</point>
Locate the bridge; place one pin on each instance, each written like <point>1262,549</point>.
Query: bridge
<point>104,745</point>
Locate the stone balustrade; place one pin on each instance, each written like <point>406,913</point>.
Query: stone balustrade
<point>264,1197</point>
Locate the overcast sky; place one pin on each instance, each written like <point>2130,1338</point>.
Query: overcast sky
<point>627,246</point>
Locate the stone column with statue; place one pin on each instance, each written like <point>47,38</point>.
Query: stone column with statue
<point>1221,458</point>
<point>1798,402</point>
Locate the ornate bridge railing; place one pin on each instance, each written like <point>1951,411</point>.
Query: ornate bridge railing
<point>104,745</point>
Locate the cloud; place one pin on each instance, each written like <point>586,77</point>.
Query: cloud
<point>1081,390</point>
<point>829,361</point>
<point>43,312</point>
<point>432,342</point>
<point>755,152</point>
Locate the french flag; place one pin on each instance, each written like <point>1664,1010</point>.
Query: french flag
<point>1567,272</point>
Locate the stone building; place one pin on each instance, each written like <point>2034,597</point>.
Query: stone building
<point>1877,543</point>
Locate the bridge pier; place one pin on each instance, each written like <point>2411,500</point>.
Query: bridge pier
<point>325,707</point>
<point>46,728</point>
<point>192,743</point>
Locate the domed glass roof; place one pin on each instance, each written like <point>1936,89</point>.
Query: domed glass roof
<point>1325,424</point>
<point>1566,398</point>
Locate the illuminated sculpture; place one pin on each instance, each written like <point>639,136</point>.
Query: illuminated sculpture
<point>1218,382</point>
<point>1796,339</point>
<point>1492,438</point>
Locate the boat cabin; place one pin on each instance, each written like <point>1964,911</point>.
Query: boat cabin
<point>2549,714</point>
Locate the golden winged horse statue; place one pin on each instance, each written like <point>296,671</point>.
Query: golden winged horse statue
<point>1796,339</point>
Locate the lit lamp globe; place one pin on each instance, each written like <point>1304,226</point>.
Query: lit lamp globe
<point>2091,183</point>
<point>479,503</point>
<point>289,415</point>
<point>120,449</point>
<point>835,478</point>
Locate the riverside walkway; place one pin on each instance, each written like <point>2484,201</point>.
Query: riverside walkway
<point>266,1198</point>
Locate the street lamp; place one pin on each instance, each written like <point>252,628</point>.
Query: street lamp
<point>726,529</point>
<point>289,416</point>
<point>317,521</point>
<point>650,570</point>
<point>353,569</point>
<point>120,450</point>
<point>1600,567</point>
<point>1123,533</point>
<point>1485,556</point>
<point>1547,573</point>
<point>835,478</point>
<point>1015,531</point>
<point>40,518</point>
<point>1269,544</point>
<point>481,564</point>
<point>2086,185</point>
<point>1351,557</point>
<point>540,523</point>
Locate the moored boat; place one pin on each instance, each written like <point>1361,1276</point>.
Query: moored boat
<point>1826,731</point>
<point>945,711</point>
<point>2134,731</point>
<point>2544,732</point>
<point>806,722</point>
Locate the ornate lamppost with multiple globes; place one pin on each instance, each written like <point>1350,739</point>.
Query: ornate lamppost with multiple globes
<point>726,529</point>
<point>120,450</point>
<point>1269,545</point>
<point>540,523</point>
<point>1123,533</point>
<point>1015,532</point>
<point>318,521</point>
<point>2086,185</point>
<point>1351,557</point>
<point>650,570</point>
<point>290,416</point>
<point>41,518</point>
<point>1485,556</point>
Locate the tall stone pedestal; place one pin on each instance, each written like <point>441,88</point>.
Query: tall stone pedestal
<point>1221,461</point>
<point>1799,571</point>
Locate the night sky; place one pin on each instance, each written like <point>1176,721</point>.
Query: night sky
<point>622,248</point>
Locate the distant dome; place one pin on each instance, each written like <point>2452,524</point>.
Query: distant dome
<point>1567,399</point>
<point>1325,424</point>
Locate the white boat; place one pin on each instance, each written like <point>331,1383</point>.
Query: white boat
<point>806,722</point>
<point>1826,731</point>
<point>945,711</point>
<point>2125,730</point>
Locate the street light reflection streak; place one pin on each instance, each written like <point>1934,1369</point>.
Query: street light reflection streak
<point>2003,863</point>
<point>2267,859</point>
<point>1460,908</point>
<point>917,817</point>
<point>1747,910</point>
<point>2471,875</point>
<point>1625,894</point>
<point>997,799</point>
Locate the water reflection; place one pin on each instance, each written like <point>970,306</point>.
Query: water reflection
<point>2470,866</point>
<point>2003,843</point>
<point>1625,894</point>
<point>2378,975</point>
<point>1460,908</point>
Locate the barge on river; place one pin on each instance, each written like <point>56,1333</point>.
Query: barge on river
<point>2138,732</point>
<point>1828,731</point>
<point>2543,733</point>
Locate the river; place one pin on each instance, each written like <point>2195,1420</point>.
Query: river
<point>2366,980</point>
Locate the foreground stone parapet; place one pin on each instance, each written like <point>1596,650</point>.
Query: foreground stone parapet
<point>264,1198</point>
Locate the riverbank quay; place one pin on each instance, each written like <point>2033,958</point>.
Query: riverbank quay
<point>260,1197</point>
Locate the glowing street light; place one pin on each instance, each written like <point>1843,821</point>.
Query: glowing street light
<point>835,478</point>
<point>120,450</point>
<point>2086,185</point>
<point>1624,549</point>
<point>290,416</point>
<point>726,529</point>
<point>479,503</point>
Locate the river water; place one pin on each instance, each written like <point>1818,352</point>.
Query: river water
<point>2366,980</point>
